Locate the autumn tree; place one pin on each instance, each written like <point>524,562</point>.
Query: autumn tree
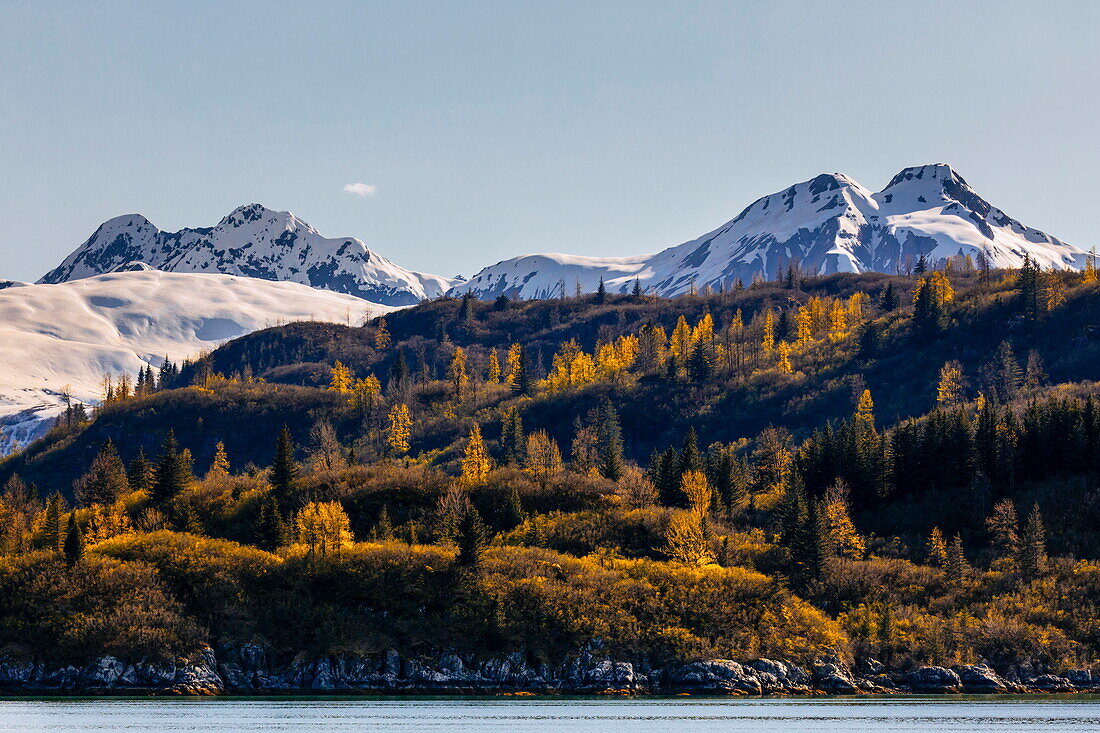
<point>400,429</point>
<point>458,375</point>
<point>341,380</point>
<point>949,390</point>
<point>381,335</point>
<point>543,456</point>
<point>220,464</point>
<point>323,527</point>
<point>1003,528</point>
<point>937,548</point>
<point>476,463</point>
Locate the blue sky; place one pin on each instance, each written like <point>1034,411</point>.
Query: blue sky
<point>483,130</point>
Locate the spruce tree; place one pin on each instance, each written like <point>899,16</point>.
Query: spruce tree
<point>610,437</point>
<point>521,377</point>
<point>173,471</point>
<point>472,539</point>
<point>1033,553</point>
<point>284,470</point>
<point>270,530</point>
<point>601,293</point>
<point>637,290</point>
<point>889,301</point>
<point>74,542</point>
<point>139,475</point>
<point>105,480</point>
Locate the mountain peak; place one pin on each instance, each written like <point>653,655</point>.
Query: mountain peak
<point>928,173</point>
<point>253,241</point>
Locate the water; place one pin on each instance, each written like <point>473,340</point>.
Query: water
<point>333,715</point>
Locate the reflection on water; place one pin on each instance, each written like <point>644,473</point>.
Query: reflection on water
<point>335,715</point>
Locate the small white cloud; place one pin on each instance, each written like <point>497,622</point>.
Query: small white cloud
<point>361,190</point>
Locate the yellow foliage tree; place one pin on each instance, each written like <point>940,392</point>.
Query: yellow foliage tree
<point>768,342</point>
<point>679,344</point>
<point>456,372</point>
<point>323,527</point>
<point>804,325</point>
<point>220,466</point>
<point>381,335</point>
<point>341,380</point>
<point>494,373</point>
<point>837,319</point>
<point>685,540</point>
<point>949,391</point>
<point>698,491</point>
<point>476,463</point>
<point>784,362</point>
<point>400,429</point>
<point>543,456</point>
<point>512,362</point>
<point>365,392</point>
<point>1089,275</point>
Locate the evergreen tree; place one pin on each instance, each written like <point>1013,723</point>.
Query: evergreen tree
<point>105,480</point>
<point>521,377</point>
<point>74,542</point>
<point>172,473</point>
<point>889,300</point>
<point>270,530</point>
<point>922,265</point>
<point>609,435</point>
<point>1028,284</point>
<point>139,475</point>
<point>399,374</point>
<point>52,532</point>
<point>472,539</point>
<point>466,311</point>
<point>637,290</point>
<point>957,565</point>
<point>220,465</point>
<point>501,303</point>
<point>512,438</point>
<point>284,469</point>
<point>1033,553</point>
<point>601,293</point>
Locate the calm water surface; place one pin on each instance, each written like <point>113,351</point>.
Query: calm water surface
<point>911,714</point>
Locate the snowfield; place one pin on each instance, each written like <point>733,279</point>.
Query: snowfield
<point>828,224</point>
<point>72,334</point>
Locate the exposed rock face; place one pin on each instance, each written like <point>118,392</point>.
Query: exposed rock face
<point>251,669</point>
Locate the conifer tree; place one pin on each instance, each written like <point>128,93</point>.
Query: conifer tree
<point>172,473</point>
<point>1003,528</point>
<point>139,475</point>
<point>637,290</point>
<point>957,566</point>
<point>949,391</point>
<point>889,300</point>
<point>1088,277</point>
<point>220,464</point>
<point>341,379</point>
<point>284,469</point>
<point>1033,553</point>
<point>458,376</point>
<point>381,335</point>
<point>466,310</point>
<point>609,435</point>
<point>269,530</point>
<point>105,480</point>
<point>768,340</point>
<point>74,543</point>
<point>1028,284</point>
<point>543,456</point>
<point>512,437</point>
<point>472,539</point>
<point>399,430</point>
<point>937,548</point>
<point>52,532</point>
<point>601,293</point>
<point>476,463</point>
<point>520,377</point>
<point>323,527</point>
<point>494,372</point>
<point>784,361</point>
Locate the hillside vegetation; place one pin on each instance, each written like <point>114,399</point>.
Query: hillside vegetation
<point>865,465</point>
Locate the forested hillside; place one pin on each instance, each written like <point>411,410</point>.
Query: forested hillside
<point>868,465</point>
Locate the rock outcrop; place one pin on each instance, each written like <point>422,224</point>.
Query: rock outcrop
<point>252,669</point>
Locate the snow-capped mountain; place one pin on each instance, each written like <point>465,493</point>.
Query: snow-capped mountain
<point>828,224</point>
<point>252,241</point>
<point>71,335</point>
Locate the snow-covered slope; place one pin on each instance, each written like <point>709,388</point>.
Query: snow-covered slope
<point>828,224</point>
<point>252,241</point>
<point>73,334</point>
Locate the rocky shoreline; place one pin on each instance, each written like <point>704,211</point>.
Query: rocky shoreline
<point>249,670</point>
